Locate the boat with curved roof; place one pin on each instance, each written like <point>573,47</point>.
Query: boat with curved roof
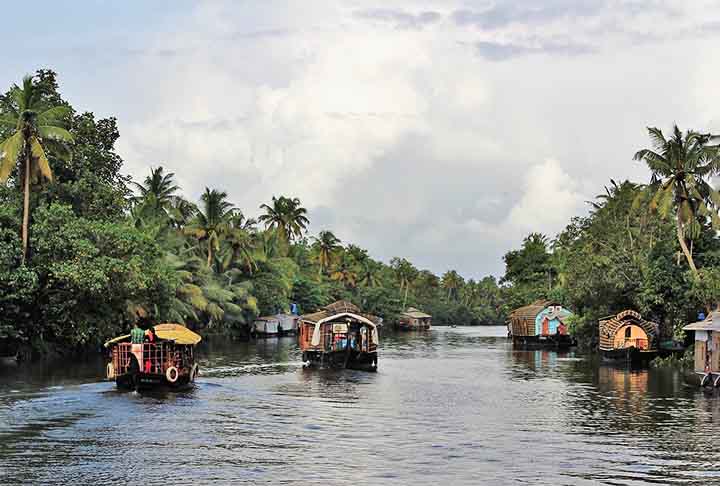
<point>340,335</point>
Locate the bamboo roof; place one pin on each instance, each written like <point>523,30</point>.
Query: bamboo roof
<point>167,331</point>
<point>531,311</point>
<point>337,308</point>
<point>609,326</point>
<point>416,313</point>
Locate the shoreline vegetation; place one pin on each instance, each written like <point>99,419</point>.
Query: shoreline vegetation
<point>85,250</point>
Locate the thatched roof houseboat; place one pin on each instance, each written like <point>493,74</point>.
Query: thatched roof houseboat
<point>540,324</point>
<point>277,325</point>
<point>340,335</point>
<point>629,338</point>
<point>414,319</point>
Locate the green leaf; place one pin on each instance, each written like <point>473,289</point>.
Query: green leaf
<point>9,152</point>
<point>41,162</point>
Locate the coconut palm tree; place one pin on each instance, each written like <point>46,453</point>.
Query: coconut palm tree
<point>241,249</point>
<point>159,189</point>
<point>212,220</point>
<point>681,167</point>
<point>181,212</point>
<point>451,281</point>
<point>34,126</point>
<point>286,216</point>
<point>326,245</point>
<point>369,273</point>
<point>345,273</point>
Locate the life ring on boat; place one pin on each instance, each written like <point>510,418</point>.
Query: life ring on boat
<point>172,374</point>
<point>110,370</point>
<point>194,372</point>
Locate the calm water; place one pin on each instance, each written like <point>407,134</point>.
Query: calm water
<point>454,405</point>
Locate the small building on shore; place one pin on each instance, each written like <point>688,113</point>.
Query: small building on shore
<point>707,349</point>
<point>628,337</point>
<point>414,320</point>
<point>540,324</point>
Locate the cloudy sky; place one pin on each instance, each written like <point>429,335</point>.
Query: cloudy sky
<point>439,130</point>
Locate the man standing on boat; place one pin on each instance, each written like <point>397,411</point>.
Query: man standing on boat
<point>137,336</point>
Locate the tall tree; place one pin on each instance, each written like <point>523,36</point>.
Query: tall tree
<point>286,216</point>
<point>452,282</point>
<point>681,167</point>
<point>326,245</point>
<point>158,190</point>
<point>212,220</point>
<point>35,125</point>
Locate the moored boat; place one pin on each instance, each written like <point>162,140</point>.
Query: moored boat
<point>277,325</point>
<point>540,325</point>
<point>414,320</point>
<point>340,335</point>
<point>167,361</point>
<point>628,338</point>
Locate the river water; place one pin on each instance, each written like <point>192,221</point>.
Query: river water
<point>454,405</point>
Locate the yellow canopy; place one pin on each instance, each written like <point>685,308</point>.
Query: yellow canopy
<point>171,332</point>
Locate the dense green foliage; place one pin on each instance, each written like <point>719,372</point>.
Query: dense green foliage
<point>105,251</point>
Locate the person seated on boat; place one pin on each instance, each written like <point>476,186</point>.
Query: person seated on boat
<point>561,329</point>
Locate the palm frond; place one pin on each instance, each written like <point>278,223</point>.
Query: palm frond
<point>41,161</point>
<point>9,152</point>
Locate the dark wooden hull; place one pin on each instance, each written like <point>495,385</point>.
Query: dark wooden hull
<point>631,355</point>
<point>150,381</point>
<point>557,341</point>
<point>353,360</point>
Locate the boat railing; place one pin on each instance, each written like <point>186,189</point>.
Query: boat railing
<point>639,343</point>
<point>157,357</point>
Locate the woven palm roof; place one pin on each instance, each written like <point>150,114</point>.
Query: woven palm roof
<point>170,332</point>
<point>416,313</point>
<point>339,307</point>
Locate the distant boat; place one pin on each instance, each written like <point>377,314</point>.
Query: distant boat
<point>706,369</point>
<point>277,325</point>
<point>540,325</point>
<point>340,335</point>
<point>168,362</point>
<point>627,337</point>
<point>414,320</point>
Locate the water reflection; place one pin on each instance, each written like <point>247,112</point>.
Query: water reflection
<point>453,405</point>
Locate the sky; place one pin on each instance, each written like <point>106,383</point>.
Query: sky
<point>443,131</point>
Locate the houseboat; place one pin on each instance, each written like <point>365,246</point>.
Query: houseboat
<point>539,325</point>
<point>627,337</point>
<point>277,325</point>
<point>414,320</point>
<point>339,335</point>
<point>165,359</point>
<point>706,369</point>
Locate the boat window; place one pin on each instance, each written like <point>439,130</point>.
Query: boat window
<point>628,332</point>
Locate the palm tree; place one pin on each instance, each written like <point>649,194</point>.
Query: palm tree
<point>241,249</point>
<point>212,221</point>
<point>286,216</point>
<point>369,274</point>
<point>35,125</point>
<point>345,274</point>
<point>681,167</point>
<point>451,281</point>
<point>326,244</point>
<point>159,189</point>
<point>181,212</point>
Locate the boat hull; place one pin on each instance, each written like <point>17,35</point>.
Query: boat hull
<point>630,355</point>
<point>150,381</point>
<point>352,360</point>
<point>556,341</point>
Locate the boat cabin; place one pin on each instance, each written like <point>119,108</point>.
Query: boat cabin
<point>414,319</point>
<point>165,358</point>
<point>540,324</point>
<point>339,335</point>
<point>707,349</point>
<point>628,337</point>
